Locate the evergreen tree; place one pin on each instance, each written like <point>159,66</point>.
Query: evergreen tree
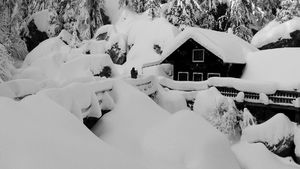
<point>137,6</point>
<point>153,8</point>
<point>182,13</point>
<point>289,9</point>
<point>241,18</point>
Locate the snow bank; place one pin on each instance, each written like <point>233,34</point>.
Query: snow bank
<point>85,66</point>
<point>187,141</point>
<point>275,31</point>
<point>257,156</point>
<point>79,99</point>
<point>279,66</point>
<point>45,48</point>
<point>171,100</point>
<point>37,133</point>
<point>220,111</point>
<point>144,35</point>
<point>19,88</point>
<point>125,126</point>
<point>276,129</point>
<point>207,100</point>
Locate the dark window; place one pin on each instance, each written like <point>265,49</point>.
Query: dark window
<point>198,55</point>
<point>213,75</point>
<point>197,76</point>
<point>183,76</point>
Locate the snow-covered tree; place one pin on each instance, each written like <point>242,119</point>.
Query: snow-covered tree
<point>153,8</point>
<point>183,13</point>
<point>137,6</point>
<point>241,18</point>
<point>289,9</point>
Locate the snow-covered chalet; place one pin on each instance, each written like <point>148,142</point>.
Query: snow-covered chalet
<point>198,54</point>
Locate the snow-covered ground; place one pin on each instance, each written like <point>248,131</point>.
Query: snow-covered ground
<point>64,84</point>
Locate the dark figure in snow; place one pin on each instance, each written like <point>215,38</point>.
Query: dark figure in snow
<point>133,73</point>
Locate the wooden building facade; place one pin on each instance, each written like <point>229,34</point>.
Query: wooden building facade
<point>198,54</point>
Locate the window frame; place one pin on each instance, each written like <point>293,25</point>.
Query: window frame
<point>209,75</point>
<point>194,73</point>
<point>178,75</point>
<point>203,55</point>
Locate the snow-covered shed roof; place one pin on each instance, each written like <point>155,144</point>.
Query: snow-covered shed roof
<point>228,47</point>
<point>275,31</point>
<point>280,66</point>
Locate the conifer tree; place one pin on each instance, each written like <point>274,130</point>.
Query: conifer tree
<point>289,9</point>
<point>153,8</point>
<point>182,13</point>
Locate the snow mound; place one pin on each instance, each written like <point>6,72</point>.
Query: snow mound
<point>220,111</point>
<point>85,66</point>
<point>275,31</point>
<point>19,88</point>
<point>187,141</point>
<point>144,35</point>
<point>37,133</point>
<point>170,100</point>
<point>78,99</point>
<point>207,100</point>
<point>257,156</point>
<point>267,66</point>
<point>276,129</point>
<point>133,114</point>
<point>45,48</point>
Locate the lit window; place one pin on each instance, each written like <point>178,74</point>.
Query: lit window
<point>197,76</point>
<point>213,75</point>
<point>198,55</point>
<point>183,76</point>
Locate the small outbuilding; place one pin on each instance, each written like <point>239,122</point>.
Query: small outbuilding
<point>198,54</point>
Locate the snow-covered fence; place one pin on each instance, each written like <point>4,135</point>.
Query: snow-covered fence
<point>148,85</point>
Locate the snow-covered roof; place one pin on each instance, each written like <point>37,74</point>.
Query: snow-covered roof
<point>280,66</point>
<point>275,31</point>
<point>228,47</point>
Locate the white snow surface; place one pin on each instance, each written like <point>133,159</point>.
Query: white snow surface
<point>207,101</point>
<point>171,100</point>
<point>37,133</point>
<point>272,131</point>
<point>125,126</point>
<point>19,88</point>
<point>275,31</point>
<point>113,10</point>
<point>257,156</point>
<point>228,47</point>
<point>143,35</point>
<point>42,21</point>
<point>278,66</point>
<point>44,49</point>
<point>187,141</point>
